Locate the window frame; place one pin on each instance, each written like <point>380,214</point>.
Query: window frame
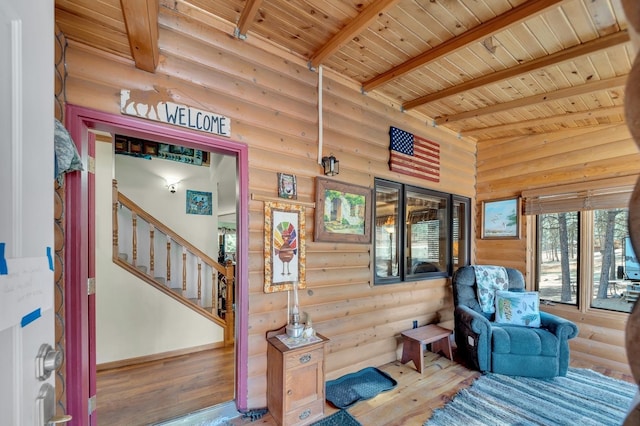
<point>584,198</point>
<point>579,251</point>
<point>402,238</point>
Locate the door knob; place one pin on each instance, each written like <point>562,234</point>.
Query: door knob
<point>47,361</point>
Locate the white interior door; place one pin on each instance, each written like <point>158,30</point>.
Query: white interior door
<point>26,210</point>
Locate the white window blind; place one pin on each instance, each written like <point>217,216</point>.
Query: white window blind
<point>591,195</point>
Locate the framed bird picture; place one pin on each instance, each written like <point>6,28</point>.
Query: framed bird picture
<point>501,218</point>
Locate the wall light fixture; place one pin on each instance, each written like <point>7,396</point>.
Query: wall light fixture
<point>331,165</point>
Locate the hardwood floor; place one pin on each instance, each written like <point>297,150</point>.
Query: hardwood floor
<point>416,396</point>
<point>160,390</point>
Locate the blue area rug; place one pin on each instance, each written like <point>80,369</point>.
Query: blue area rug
<point>584,397</point>
<point>339,418</point>
<point>345,391</point>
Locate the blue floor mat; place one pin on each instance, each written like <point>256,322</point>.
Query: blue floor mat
<point>339,418</point>
<point>345,391</point>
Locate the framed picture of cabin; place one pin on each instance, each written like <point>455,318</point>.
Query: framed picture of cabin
<point>501,219</point>
<point>284,246</point>
<point>343,212</point>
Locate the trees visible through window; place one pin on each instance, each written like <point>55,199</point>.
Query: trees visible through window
<point>582,253</point>
<point>610,275</point>
<point>558,256</point>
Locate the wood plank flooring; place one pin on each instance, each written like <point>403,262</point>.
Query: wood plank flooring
<point>160,390</point>
<point>416,396</point>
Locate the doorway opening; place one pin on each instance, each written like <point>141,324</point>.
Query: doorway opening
<point>81,311</point>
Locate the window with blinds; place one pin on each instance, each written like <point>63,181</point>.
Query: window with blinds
<point>580,251</point>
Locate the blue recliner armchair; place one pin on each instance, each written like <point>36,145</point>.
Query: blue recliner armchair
<point>514,350</point>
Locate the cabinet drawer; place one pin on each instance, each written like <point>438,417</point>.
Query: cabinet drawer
<point>306,414</point>
<point>297,359</point>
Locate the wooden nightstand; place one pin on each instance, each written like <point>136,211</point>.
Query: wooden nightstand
<point>295,381</point>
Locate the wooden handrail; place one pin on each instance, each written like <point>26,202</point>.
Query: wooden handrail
<point>168,231</point>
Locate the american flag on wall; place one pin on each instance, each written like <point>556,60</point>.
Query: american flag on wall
<point>414,156</point>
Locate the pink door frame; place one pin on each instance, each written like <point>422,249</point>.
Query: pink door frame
<point>79,330</point>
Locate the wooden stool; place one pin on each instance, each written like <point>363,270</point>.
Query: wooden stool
<point>414,341</point>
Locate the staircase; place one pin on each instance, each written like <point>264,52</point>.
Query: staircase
<point>203,284</point>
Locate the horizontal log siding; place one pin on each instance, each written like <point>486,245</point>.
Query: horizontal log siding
<point>272,103</point>
<point>507,167</point>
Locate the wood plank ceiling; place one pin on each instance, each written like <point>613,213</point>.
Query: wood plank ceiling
<point>486,69</point>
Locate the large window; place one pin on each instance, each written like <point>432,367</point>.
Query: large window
<point>583,252</point>
<point>419,233</point>
<point>558,237</point>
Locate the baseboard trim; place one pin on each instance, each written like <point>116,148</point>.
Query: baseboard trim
<point>155,357</point>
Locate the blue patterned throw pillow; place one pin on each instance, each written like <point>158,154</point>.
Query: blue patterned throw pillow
<point>518,308</point>
<point>490,279</point>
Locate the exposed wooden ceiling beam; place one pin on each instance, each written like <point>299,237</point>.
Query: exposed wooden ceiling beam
<point>560,118</point>
<point>353,28</point>
<point>247,17</point>
<point>141,20</point>
<point>499,23</point>
<point>590,87</point>
<point>542,62</point>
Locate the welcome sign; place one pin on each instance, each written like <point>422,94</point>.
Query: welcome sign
<point>158,105</point>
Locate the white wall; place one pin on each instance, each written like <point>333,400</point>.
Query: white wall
<point>144,182</point>
<point>132,318</point>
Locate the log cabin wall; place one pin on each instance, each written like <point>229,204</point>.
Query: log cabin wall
<point>272,101</point>
<point>508,167</point>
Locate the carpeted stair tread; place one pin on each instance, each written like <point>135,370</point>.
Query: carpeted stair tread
<point>361,385</point>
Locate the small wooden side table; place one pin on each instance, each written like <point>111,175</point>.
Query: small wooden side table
<point>415,340</point>
<point>295,381</point>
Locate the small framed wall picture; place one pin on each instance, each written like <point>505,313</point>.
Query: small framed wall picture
<point>501,218</point>
<point>287,187</point>
<point>199,202</point>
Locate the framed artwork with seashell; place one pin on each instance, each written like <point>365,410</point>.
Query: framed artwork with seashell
<point>284,246</point>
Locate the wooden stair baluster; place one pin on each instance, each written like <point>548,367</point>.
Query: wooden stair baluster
<point>151,250</point>
<point>184,271</point>
<point>134,236</point>
<point>114,218</point>
<point>214,292</point>
<point>199,282</point>
<point>168,261</point>
<point>229,316</point>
